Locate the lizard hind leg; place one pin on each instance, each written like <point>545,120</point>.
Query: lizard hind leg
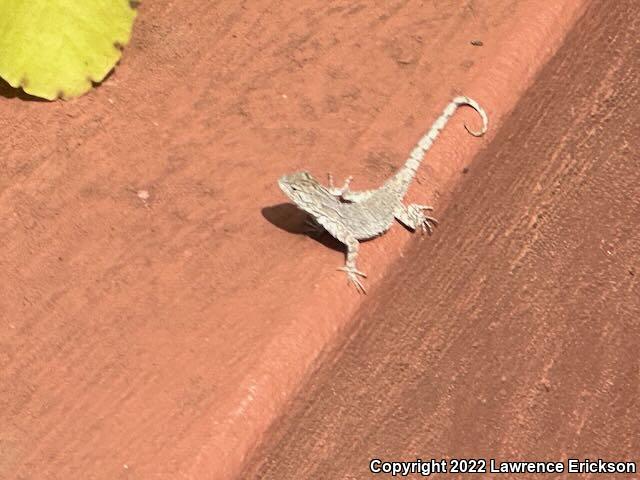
<point>413,217</point>
<point>350,265</point>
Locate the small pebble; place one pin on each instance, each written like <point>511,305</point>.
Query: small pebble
<point>143,195</point>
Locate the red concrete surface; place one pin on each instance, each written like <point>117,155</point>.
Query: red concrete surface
<point>156,310</point>
<point>514,334</point>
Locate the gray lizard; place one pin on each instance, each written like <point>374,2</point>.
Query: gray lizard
<point>350,216</point>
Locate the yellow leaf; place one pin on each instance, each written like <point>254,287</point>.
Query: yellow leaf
<point>56,48</point>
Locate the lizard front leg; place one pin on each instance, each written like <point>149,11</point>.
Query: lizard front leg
<point>413,217</point>
<point>312,227</point>
<point>338,192</point>
<point>345,193</point>
<point>350,265</point>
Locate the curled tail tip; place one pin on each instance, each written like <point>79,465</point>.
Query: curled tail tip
<point>464,100</point>
<point>461,99</point>
<point>476,133</point>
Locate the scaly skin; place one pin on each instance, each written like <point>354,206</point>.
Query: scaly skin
<point>350,216</point>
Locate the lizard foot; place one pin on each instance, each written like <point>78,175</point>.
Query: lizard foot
<point>420,219</point>
<point>352,275</point>
<point>338,192</point>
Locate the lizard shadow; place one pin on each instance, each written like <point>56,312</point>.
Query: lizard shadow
<point>288,217</point>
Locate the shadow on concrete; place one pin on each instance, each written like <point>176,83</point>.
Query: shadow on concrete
<point>7,91</point>
<point>289,218</point>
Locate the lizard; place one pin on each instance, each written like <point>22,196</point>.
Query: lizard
<point>351,216</point>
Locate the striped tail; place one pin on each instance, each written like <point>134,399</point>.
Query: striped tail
<point>424,144</point>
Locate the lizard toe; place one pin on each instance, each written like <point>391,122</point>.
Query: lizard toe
<point>353,271</point>
<point>357,283</point>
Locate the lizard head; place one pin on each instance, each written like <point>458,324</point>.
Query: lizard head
<point>300,187</point>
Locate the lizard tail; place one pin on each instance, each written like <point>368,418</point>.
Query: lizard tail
<point>473,104</point>
<point>424,144</point>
